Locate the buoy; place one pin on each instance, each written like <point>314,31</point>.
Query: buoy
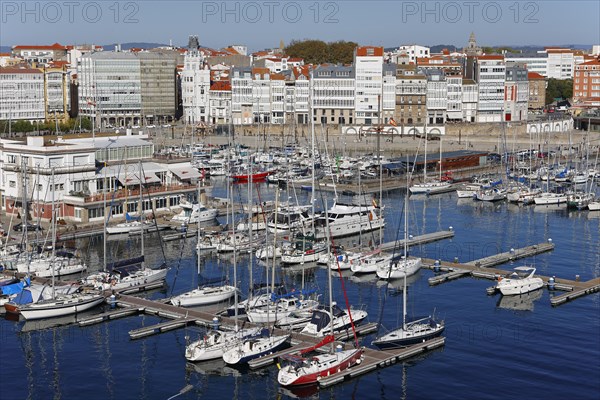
<point>551,283</point>
<point>112,300</point>
<point>338,348</point>
<point>451,228</point>
<point>215,323</point>
<point>549,240</point>
<point>436,266</point>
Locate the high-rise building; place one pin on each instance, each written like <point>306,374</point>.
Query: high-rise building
<point>22,94</point>
<point>516,94</point>
<point>368,64</point>
<point>125,88</point>
<point>490,74</point>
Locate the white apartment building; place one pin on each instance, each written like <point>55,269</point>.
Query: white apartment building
<point>470,94</point>
<point>220,103</point>
<point>278,99</point>
<point>368,64</point>
<point>455,98</point>
<point>412,51</point>
<point>437,96</point>
<point>388,101</point>
<point>195,86</point>
<point>22,94</point>
<point>534,62</point>
<point>241,96</point>
<point>333,94</point>
<point>561,63</point>
<point>490,74</point>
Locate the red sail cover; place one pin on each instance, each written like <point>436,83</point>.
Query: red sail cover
<point>326,340</point>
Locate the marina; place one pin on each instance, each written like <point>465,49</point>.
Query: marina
<point>443,230</point>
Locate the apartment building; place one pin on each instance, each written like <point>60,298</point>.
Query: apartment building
<point>516,94</point>
<point>22,94</point>
<point>490,74</point>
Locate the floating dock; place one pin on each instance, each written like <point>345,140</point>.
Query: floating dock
<point>590,287</point>
<point>374,359</point>
<point>418,240</point>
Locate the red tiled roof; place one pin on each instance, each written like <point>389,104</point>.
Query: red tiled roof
<point>55,46</point>
<point>534,76</point>
<point>592,62</point>
<point>12,70</point>
<point>277,77</point>
<point>221,85</point>
<point>491,57</point>
<point>363,50</point>
<point>4,54</point>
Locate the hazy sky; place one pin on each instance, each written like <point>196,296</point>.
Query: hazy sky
<point>262,24</point>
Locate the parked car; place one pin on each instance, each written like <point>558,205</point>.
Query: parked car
<point>30,227</point>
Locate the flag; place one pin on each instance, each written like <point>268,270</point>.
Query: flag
<point>393,122</point>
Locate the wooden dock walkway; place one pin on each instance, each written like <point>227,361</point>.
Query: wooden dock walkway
<point>374,359</point>
<point>418,240</point>
<point>482,268</point>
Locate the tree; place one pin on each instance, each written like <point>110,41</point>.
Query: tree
<point>559,88</point>
<point>319,52</point>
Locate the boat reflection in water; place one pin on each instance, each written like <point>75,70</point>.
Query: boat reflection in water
<point>215,367</point>
<point>41,324</point>
<point>300,392</point>
<point>521,302</point>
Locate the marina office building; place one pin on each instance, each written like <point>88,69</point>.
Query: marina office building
<point>81,174</point>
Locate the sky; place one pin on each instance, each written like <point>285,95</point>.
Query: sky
<point>264,23</point>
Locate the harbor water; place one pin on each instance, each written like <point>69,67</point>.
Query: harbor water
<point>496,347</point>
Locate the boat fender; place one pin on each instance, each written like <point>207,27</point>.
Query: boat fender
<point>359,361</point>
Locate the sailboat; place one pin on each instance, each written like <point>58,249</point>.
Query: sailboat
<point>401,267</point>
<point>298,370</point>
<point>431,186</point>
<point>125,273</point>
<point>59,304</point>
<point>415,330</point>
<point>217,341</point>
<point>203,295</point>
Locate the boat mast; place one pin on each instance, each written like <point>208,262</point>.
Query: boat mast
<point>53,227</point>
<point>235,295</point>
<point>405,251</point>
<point>312,129</point>
<point>105,215</point>
<point>425,154</point>
<point>329,281</point>
<point>142,216</point>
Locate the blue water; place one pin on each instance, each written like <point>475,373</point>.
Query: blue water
<point>495,347</point>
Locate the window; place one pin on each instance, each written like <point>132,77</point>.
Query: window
<point>12,184</point>
<point>95,213</point>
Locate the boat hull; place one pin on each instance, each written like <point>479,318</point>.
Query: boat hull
<point>53,309</point>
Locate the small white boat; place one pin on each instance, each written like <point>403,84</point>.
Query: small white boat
<point>370,263</point>
<point>520,281</point>
<point>124,277</point>
<point>399,269</point>
<point>431,187</point>
<point>550,198</point>
<point>127,227</point>
<point>494,194</point>
<point>204,295</point>
<point>216,342</point>
<point>194,213</point>
<point>322,322</point>
<point>594,206</point>
<point>61,305</point>
<point>253,348</point>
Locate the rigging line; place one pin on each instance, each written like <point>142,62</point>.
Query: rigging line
<point>162,248</point>
<point>341,279</point>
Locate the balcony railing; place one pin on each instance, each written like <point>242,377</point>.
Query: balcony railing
<point>135,193</point>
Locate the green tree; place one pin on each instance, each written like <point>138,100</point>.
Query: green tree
<point>319,52</point>
<point>559,88</point>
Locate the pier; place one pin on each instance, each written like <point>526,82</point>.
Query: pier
<point>418,240</point>
<point>482,268</point>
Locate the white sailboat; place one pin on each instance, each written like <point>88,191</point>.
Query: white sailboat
<point>297,370</point>
<point>59,304</point>
<point>400,267</point>
<point>415,330</point>
<point>126,273</point>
